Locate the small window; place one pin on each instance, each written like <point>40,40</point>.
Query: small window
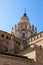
<point>6,50</point>
<point>19,43</point>
<point>23,29</point>
<point>23,35</point>
<point>2,35</point>
<point>16,41</point>
<point>7,37</point>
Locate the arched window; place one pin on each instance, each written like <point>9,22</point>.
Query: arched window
<point>6,49</point>
<point>19,43</point>
<point>7,37</point>
<point>23,35</point>
<point>2,35</point>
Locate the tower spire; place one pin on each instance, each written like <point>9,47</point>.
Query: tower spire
<point>25,12</point>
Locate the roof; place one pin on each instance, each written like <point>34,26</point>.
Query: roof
<point>14,55</point>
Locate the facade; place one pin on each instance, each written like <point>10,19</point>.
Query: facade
<point>22,46</point>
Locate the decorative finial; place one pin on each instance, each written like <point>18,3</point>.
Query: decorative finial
<point>35,30</point>
<point>25,12</point>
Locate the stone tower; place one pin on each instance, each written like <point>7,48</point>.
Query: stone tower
<point>23,30</point>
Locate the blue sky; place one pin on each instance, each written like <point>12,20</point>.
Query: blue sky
<point>12,10</point>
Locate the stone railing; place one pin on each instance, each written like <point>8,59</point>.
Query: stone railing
<point>35,37</point>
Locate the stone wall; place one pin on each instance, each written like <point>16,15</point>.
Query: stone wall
<point>15,60</point>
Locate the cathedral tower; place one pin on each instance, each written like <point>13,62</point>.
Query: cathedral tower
<point>24,30</point>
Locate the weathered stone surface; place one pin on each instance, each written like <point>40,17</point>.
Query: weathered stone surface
<point>13,60</point>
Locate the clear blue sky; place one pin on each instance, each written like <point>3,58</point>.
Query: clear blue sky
<point>12,10</point>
